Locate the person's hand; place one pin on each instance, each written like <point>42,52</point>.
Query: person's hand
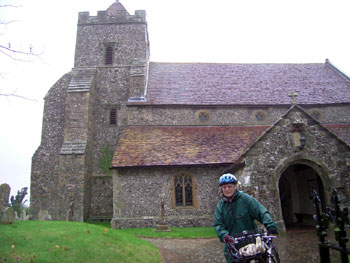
<point>272,231</point>
<point>228,239</point>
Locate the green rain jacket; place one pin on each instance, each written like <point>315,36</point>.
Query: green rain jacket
<point>232,218</point>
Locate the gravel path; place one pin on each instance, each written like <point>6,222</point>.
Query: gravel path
<point>297,245</point>
<point>190,250</point>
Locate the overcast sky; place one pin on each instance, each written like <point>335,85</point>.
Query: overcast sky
<point>230,31</point>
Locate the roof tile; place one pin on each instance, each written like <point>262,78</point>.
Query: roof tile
<point>153,146</point>
<point>341,130</point>
<point>245,84</point>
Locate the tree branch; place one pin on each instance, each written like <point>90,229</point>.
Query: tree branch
<point>15,6</point>
<point>17,96</point>
<point>8,51</point>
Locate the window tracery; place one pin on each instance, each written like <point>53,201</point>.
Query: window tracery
<point>184,190</point>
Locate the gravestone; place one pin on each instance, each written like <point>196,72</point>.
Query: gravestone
<point>70,212</point>
<point>44,215</point>
<point>7,214</point>
<point>4,196</point>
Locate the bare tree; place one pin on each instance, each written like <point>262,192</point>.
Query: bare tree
<point>14,54</point>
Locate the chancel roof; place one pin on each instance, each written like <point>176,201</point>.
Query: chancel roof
<point>171,146</point>
<point>245,84</point>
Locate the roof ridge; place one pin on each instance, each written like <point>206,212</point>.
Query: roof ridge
<point>235,63</point>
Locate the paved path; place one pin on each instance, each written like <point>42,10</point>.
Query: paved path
<point>297,245</point>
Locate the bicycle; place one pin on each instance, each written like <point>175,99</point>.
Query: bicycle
<point>252,246</point>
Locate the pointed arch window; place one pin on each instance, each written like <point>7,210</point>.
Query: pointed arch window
<point>184,190</point>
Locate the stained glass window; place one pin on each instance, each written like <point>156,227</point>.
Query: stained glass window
<point>183,190</point>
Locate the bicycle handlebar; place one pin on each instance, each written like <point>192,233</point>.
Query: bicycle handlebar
<point>252,234</point>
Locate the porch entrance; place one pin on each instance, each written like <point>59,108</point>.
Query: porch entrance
<point>295,188</point>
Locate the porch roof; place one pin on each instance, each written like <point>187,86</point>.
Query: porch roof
<point>342,131</point>
<point>172,146</point>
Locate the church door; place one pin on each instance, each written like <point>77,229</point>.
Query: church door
<point>296,186</point>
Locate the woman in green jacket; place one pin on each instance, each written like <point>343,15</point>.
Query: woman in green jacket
<point>238,211</point>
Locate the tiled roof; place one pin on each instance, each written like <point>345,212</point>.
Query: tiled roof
<point>81,80</point>
<point>245,84</point>
<point>116,8</point>
<point>341,130</point>
<point>159,146</point>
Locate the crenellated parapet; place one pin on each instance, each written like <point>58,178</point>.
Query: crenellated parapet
<point>119,17</point>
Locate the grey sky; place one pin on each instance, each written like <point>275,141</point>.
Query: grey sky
<point>233,31</point>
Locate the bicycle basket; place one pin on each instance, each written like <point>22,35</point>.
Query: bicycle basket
<point>246,247</point>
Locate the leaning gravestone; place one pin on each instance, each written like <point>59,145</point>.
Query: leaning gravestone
<point>7,214</point>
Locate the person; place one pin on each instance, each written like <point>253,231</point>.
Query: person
<point>237,212</point>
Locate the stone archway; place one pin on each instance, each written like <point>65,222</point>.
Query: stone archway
<point>295,187</point>
<point>295,178</point>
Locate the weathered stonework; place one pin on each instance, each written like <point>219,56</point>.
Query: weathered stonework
<point>68,182</point>
<point>275,151</point>
<point>65,170</point>
<point>137,194</point>
<point>5,190</point>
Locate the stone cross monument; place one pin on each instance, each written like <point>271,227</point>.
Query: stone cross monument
<point>162,226</point>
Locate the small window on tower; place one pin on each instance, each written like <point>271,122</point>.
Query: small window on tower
<point>113,116</point>
<point>109,56</point>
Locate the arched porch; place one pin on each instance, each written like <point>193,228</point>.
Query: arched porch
<point>296,180</point>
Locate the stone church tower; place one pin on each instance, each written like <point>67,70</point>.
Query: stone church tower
<point>85,112</point>
<point>121,134</point>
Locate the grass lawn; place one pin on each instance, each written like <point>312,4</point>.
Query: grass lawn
<point>58,241</point>
<point>175,232</point>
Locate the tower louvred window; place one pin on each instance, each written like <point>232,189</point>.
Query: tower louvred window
<point>109,56</point>
<point>113,116</point>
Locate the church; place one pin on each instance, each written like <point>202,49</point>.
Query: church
<point>122,135</point>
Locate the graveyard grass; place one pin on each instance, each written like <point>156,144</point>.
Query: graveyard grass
<point>57,241</point>
<point>175,232</point>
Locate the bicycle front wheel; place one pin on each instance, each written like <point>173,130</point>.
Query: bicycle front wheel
<point>273,256</point>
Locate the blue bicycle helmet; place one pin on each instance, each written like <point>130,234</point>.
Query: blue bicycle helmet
<point>227,179</point>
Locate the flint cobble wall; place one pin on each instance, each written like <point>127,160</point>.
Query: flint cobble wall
<point>44,175</point>
<point>323,152</point>
<point>138,193</point>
